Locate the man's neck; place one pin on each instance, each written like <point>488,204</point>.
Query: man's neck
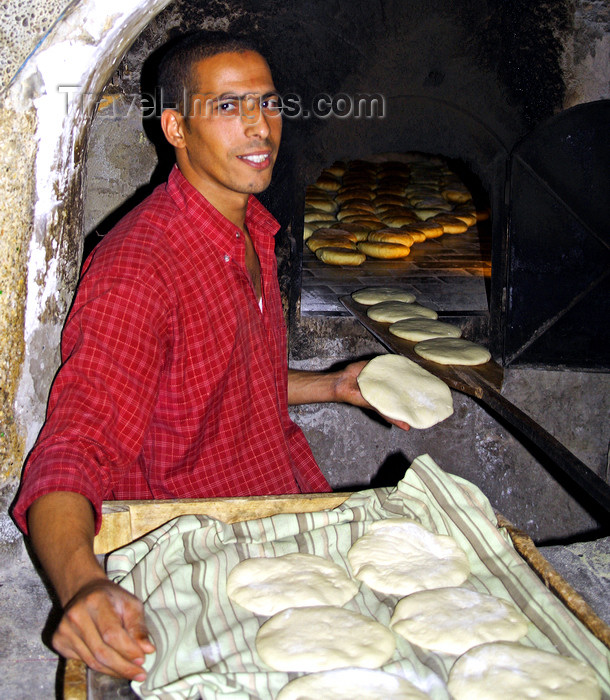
<point>232,205</point>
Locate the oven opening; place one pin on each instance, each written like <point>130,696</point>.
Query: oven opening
<point>415,220</point>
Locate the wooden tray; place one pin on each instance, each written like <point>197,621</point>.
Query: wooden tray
<point>484,383</point>
<point>124,521</point>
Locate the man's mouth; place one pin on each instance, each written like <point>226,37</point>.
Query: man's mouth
<point>257,160</point>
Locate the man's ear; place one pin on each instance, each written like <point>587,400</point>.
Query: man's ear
<point>172,123</point>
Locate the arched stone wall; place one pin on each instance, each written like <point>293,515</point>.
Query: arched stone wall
<point>45,115</point>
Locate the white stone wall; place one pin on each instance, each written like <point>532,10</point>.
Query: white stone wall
<point>46,112</point>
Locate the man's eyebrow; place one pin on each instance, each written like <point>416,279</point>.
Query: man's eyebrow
<point>235,96</point>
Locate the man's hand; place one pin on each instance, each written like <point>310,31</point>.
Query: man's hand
<point>103,625</point>
<point>341,386</point>
<point>347,387</point>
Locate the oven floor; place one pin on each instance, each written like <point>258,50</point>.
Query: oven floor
<point>451,273</point>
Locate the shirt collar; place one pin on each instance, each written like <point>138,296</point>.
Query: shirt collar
<point>258,220</point>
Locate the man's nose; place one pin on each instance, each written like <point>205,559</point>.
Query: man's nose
<point>254,118</point>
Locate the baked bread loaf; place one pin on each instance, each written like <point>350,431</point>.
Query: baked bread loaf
<point>384,251</point>
<point>340,256</point>
<point>386,235</point>
<point>451,224</point>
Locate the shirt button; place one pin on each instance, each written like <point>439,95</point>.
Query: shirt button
<point>237,235</point>
<point>227,257</point>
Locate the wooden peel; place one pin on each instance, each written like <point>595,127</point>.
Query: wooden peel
<point>468,380</point>
<point>484,383</point>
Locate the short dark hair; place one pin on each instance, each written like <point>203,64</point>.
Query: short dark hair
<point>176,77</point>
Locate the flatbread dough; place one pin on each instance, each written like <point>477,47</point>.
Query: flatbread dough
<point>399,556</point>
<point>350,683</point>
<point>504,670</point>
<point>266,585</point>
<point>402,390</point>
<point>453,351</point>
<point>453,620</point>
<point>418,329</point>
<point>323,638</point>
<point>392,311</point>
<point>375,295</point>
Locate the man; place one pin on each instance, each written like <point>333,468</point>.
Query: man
<point>174,381</point>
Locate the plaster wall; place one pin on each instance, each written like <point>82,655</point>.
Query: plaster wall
<point>586,60</point>
<point>46,109</point>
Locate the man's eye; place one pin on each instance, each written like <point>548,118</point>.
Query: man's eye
<point>271,104</point>
<point>227,107</point>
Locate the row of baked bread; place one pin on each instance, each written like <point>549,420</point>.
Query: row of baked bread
<point>380,210</point>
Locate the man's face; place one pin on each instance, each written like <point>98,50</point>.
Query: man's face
<point>232,135</point>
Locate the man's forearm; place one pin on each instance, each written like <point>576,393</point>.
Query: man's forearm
<point>311,387</point>
<point>103,624</point>
<point>321,387</point>
<point>324,387</point>
<point>62,528</point>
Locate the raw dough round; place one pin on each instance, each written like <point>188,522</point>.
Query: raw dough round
<point>453,620</point>
<point>503,670</point>
<point>267,585</point>
<point>402,390</point>
<point>322,638</point>
<point>392,311</point>
<point>375,295</point>
<point>453,351</point>
<point>350,683</point>
<point>425,214</point>
<point>418,329</point>
<point>399,556</point>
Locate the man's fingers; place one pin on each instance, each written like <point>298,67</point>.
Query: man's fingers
<point>89,647</point>
<point>135,626</point>
<point>398,423</point>
<point>104,626</point>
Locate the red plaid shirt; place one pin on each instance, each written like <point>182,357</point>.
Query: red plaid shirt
<point>173,383</point>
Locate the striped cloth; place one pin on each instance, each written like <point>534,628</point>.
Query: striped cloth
<point>205,644</point>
